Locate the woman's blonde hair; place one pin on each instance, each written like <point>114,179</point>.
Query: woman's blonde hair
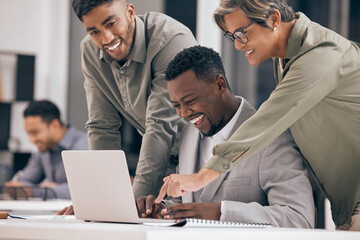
<point>256,10</point>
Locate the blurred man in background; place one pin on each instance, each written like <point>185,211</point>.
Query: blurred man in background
<point>45,169</point>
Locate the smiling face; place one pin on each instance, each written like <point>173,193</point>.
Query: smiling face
<point>41,133</point>
<point>261,44</point>
<point>199,101</point>
<point>111,27</point>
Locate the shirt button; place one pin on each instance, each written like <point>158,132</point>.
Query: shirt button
<point>121,71</point>
<point>226,166</point>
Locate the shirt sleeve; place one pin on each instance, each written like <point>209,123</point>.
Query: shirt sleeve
<point>80,143</point>
<point>61,191</point>
<point>162,123</point>
<point>104,121</point>
<point>283,178</point>
<point>33,172</point>
<point>310,79</point>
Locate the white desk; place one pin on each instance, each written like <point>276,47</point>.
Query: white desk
<point>33,207</point>
<point>73,229</point>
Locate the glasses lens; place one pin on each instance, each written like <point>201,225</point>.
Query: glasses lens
<point>229,37</point>
<point>240,36</point>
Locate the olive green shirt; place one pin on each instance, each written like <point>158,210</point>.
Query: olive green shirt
<point>318,97</point>
<point>137,91</point>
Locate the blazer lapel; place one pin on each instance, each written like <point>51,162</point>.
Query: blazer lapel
<point>188,155</point>
<point>211,189</point>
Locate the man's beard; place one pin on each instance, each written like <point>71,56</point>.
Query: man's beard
<point>213,129</point>
<point>130,30</point>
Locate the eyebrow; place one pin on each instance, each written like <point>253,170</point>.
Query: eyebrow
<point>102,23</point>
<point>239,29</point>
<point>182,98</point>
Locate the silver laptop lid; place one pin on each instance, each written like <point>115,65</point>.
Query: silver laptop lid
<point>100,186</point>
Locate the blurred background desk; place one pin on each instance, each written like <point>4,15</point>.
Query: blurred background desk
<point>75,229</point>
<point>31,207</point>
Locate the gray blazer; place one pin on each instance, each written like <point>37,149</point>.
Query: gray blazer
<point>272,186</point>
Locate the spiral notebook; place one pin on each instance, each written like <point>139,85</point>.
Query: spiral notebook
<point>192,222</point>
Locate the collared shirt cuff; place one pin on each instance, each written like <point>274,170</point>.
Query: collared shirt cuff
<point>219,164</point>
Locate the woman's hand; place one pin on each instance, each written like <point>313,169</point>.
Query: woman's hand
<point>178,185</point>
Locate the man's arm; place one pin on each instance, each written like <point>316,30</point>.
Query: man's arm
<point>62,191</point>
<point>104,121</point>
<point>162,123</point>
<point>51,190</point>
<point>33,173</point>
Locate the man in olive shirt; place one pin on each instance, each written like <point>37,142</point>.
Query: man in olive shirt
<point>124,59</point>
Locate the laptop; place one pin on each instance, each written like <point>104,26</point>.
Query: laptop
<point>100,186</point>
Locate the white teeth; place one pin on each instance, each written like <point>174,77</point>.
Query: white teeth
<point>112,48</point>
<point>250,51</point>
<point>193,121</point>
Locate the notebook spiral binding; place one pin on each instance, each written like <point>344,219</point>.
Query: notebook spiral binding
<point>204,222</point>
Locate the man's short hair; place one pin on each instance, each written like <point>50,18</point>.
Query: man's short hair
<point>83,7</point>
<point>47,110</point>
<point>205,62</point>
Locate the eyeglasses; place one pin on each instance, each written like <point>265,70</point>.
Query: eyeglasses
<point>239,35</point>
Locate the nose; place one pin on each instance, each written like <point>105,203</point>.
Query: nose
<point>184,112</point>
<point>32,138</point>
<point>107,37</point>
<point>238,45</point>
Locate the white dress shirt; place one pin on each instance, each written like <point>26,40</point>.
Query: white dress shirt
<point>207,143</point>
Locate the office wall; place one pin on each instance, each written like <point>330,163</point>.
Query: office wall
<point>207,33</point>
<point>143,6</point>
<point>39,28</point>
<point>77,109</point>
<point>34,65</point>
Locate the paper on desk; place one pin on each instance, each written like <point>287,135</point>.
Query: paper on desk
<point>168,224</point>
<point>50,217</point>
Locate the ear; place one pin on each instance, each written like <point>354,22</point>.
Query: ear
<point>55,123</point>
<point>221,83</point>
<point>131,12</point>
<point>274,19</point>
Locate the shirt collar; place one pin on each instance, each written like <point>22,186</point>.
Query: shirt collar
<point>297,34</point>
<point>66,141</point>
<point>226,132</point>
<point>138,51</point>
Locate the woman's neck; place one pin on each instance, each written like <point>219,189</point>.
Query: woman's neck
<point>285,31</point>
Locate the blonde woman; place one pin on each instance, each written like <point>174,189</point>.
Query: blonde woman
<point>317,97</point>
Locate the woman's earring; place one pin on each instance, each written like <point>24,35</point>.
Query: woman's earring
<point>275,28</point>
